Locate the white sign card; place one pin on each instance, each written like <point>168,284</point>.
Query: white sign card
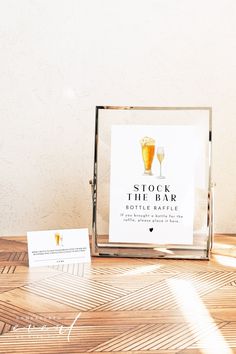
<point>152,184</point>
<point>56,247</point>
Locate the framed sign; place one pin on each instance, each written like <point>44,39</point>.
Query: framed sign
<point>152,182</point>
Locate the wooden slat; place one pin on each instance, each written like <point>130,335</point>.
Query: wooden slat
<point>83,294</point>
<point>158,295</point>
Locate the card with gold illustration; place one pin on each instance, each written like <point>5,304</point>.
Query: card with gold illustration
<point>55,247</point>
<point>152,184</point>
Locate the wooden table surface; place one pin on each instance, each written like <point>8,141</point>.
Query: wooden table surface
<point>118,305</point>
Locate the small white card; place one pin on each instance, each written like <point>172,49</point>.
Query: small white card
<point>56,247</point>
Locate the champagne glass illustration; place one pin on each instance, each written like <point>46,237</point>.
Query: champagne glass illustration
<point>148,149</point>
<point>160,157</point>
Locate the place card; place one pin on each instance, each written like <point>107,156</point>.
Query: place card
<point>57,247</point>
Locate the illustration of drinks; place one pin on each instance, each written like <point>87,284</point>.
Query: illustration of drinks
<point>148,150</point>
<point>160,157</point>
<point>58,238</point>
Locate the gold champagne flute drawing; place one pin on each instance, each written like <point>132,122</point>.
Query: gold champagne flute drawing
<point>160,157</point>
<point>148,150</point>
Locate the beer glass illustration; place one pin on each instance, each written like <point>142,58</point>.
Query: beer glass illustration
<point>148,150</point>
<point>160,157</point>
<point>58,238</point>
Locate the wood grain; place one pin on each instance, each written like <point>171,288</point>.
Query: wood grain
<point>118,305</point>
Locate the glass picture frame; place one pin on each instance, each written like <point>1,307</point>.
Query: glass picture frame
<point>182,224</point>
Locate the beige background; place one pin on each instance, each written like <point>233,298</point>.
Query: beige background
<point>60,58</point>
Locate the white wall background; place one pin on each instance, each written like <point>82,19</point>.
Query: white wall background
<point>60,58</point>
